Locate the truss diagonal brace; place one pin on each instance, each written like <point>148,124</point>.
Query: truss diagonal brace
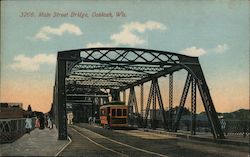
<point>158,93</point>
<point>170,111</point>
<point>148,105</point>
<point>142,97</point>
<point>182,102</point>
<point>197,72</point>
<point>193,106</point>
<point>153,120</point>
<point>134,100</point>
<point>132,103</point>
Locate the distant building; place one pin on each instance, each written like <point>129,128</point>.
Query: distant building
<point>11,110</point>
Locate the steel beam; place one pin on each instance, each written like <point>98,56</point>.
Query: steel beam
<point>170,111</point>
<point>142,98</point>
<point>182,102</point>
<point>148,105</point>
<point>153,124</point>
<point>123,55</point>
<point>91,66</point>
<point>140,65</point>
<point>197,73</point>
<point>135,102</point>
<point>193,107</point>
<point>112,75</point>
<point>130,107</point>
<point>132,101</point>
<point>160,102</point>
<point>154,95</point>
<point>157,75</point>
<point>87,95</point>
<point>61,100</point>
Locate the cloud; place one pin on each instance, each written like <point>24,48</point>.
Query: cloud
<point>128,36</point>
<point>22,62</point>
<point>98,44</point>
<point>46,32</point>
<point>193,51</point>
<point>220,48</point>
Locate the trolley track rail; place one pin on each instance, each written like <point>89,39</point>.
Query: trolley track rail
<point>90,140</point>
<point>88,143</point>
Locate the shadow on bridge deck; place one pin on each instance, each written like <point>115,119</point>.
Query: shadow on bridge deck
<point>231,139</point>
<point>37,143</point>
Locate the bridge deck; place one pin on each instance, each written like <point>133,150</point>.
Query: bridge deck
<point>88,140</point>
<point>140,143</point>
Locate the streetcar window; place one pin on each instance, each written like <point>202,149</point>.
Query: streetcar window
<point>124,112</point>
<point>119,112</point>
<point>113,112</point>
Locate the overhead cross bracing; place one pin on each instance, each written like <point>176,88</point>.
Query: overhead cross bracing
<point>119,69</point>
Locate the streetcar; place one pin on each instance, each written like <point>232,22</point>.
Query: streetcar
<point>114,115</point>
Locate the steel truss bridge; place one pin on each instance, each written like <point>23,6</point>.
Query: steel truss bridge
<point>118,69</point>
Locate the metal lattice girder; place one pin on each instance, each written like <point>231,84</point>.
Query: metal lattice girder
<point>139,76</point>
<point>121,69</point>
<point>170,111</point>
<point>61,101</point>
<point>153,94</point>
<point>142,98</point>
<point>104,84</point>
<point>136,64</point>
<point>132,101</point>
<point>159,97</point>
<point>148,104</point>
<point>87,79</point>
<point>193,106</point>
<point>108,75</point>
<point>182,101</point>
<point>154,104</point>
<point>142,68</point>
<point>197,73</point>
<point>121,55</point>
<point>80,89</point>
<point>210,110</point>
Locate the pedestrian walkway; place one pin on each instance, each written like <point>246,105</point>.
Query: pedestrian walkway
<point>38,143</point>
<point>83,144</point>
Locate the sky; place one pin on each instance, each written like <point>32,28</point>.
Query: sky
<point>32,32</point>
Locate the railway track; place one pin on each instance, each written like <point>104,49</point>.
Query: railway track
<point>88,143</point>
<point>89,140</point>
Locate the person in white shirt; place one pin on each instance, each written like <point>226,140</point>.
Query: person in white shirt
<point>28,124</point>
<point>49,123</point>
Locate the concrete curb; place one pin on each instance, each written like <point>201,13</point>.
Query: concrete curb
<point>198,138</point>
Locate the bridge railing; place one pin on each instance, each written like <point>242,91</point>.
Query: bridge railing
<point>229,127</point>
<point>237,127</point>
<point>12,129</point>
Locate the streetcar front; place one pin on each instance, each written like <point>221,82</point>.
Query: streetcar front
<point>114,114</point>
